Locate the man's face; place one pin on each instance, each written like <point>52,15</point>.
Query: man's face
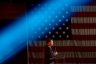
<point>51,42</point>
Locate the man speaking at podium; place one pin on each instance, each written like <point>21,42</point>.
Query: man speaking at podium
<point>50,52</point>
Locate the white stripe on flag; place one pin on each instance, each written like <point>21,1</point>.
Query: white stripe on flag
<point>83,9</point>
<point>84,31</point>
<point>83,19</point>
<point>62,55</point>
<point>67,43</point>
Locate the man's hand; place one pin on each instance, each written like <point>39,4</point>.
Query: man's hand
<point>55,53</point>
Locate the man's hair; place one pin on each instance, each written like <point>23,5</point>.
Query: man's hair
<point>48,43</point>
<point>49,40</point>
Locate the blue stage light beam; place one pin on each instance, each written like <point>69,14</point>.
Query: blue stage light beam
<point>13,38</point>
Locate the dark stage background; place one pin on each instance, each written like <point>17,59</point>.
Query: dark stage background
<point>10,10</point>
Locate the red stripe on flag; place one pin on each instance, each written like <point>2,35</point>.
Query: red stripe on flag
<point>84,37</point>
<point>67,60</point>
<point>67,49</point>
<point>83,25</point>
<point>80,60</point>
<point>84,14</point>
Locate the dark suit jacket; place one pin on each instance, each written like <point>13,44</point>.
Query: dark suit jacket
<point>49,54</point>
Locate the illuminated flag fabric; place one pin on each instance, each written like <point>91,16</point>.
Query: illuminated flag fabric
<point>74,37</point>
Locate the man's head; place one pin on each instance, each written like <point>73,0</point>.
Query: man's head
<point>50,42</point>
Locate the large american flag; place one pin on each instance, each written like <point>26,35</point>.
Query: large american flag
<point>74,38</point>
